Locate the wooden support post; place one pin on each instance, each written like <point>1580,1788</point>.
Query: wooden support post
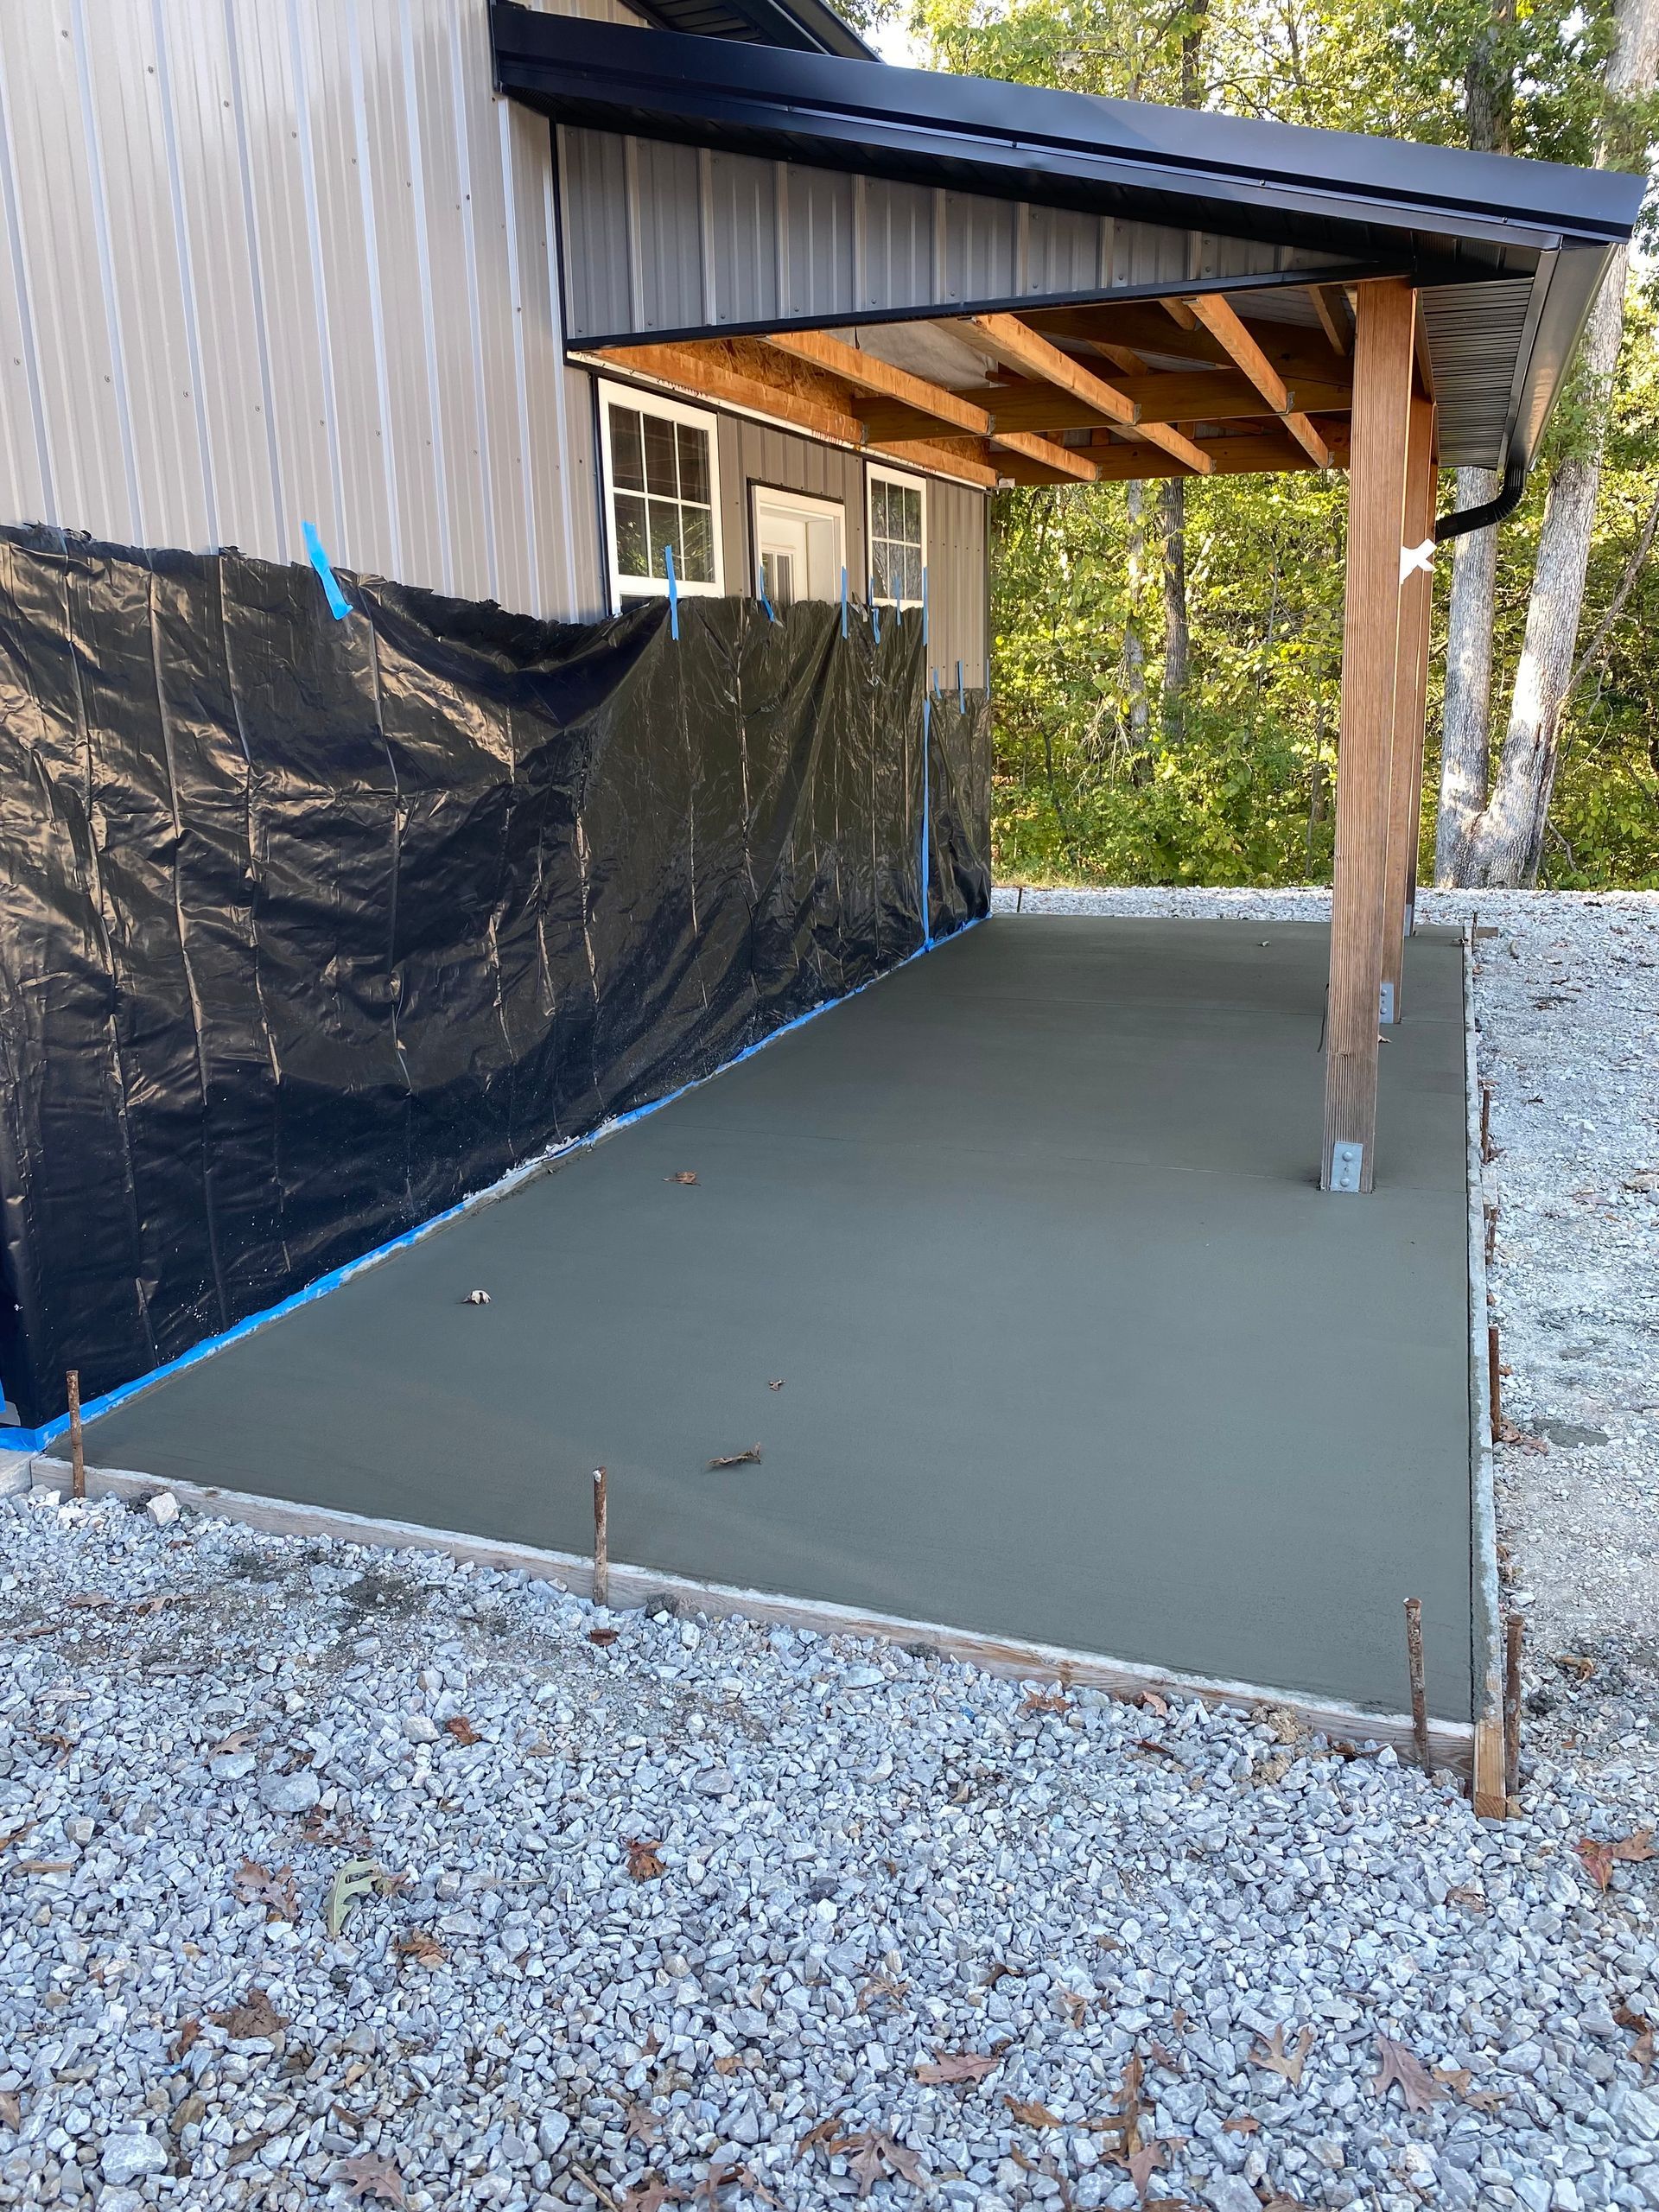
<point>1410,709</point>
<point>1383,353</point>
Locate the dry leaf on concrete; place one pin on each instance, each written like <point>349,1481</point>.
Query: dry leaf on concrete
<point>1401,2068</point>
<point>687,1175</point>
<point>749,1458</point>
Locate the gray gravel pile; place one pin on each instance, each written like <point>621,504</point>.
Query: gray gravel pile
<point>329,1876</point>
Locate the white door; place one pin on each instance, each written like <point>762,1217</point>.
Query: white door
<point>799,546</point>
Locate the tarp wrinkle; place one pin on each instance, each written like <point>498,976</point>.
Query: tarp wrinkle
<point>308,928</point>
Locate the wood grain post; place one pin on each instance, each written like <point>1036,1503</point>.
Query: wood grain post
<point>1410,712</point>
<point>1384,329</point>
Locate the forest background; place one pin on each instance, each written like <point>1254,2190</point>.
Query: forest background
<point>1167,657</point>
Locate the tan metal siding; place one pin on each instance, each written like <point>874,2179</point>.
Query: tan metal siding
<point>268,260</point>
<point>955,584</point>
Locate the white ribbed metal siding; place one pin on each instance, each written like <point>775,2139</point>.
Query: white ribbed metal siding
<point>268,260</point>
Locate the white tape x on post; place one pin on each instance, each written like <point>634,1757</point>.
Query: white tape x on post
<point>1416,556</point>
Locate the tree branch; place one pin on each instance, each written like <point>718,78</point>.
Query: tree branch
<point>1604,630</point>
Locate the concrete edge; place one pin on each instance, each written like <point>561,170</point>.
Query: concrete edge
<point>1451,1743</point>
<point>1486,1610</point>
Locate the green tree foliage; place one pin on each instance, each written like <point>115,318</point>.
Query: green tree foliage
<point>1240,791</point>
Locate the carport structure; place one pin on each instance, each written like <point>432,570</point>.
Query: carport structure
<point>1020,286</point>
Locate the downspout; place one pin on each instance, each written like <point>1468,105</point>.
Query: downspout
<point>1459,523</point>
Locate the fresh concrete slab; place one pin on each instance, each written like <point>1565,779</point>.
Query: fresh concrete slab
<point>1071,1347</point>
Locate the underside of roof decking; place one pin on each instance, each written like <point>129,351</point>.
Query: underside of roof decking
<point>716,199</point>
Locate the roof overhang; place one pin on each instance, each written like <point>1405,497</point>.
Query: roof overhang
<point>1443,217</point>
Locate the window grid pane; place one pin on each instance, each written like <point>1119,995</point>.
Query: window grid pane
<point>672,462</point>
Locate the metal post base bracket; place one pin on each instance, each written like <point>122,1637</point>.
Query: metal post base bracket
<point>1347,1161</point>
<point>1385,1004</point>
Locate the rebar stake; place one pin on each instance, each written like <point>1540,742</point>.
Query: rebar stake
<point>1495,1381</point>
<point>77,1448</point>
<point>1485,1122</point>
<point>1414,1661</point>
<point>602,1541</point>
<point>1492,1233</point>
<point>1514,1628</point>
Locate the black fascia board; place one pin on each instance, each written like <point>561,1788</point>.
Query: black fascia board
<point>1328,189</point>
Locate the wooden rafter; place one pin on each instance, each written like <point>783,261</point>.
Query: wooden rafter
<point>923,397</point>
<point>1011,340</point>
<point>1331,308</point>
<point>1222,322</point>
<point>1300,355</point>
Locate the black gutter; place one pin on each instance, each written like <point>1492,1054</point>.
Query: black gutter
<point>1464,520</point>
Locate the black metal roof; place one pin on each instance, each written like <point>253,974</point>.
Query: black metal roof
<point>806,25</point>
<point>1445,216</point>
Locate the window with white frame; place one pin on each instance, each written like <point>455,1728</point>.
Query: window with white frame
<point>897,537</point>
<point>661,486</point>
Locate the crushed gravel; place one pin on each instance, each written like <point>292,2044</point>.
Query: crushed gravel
<point>330,1876</point>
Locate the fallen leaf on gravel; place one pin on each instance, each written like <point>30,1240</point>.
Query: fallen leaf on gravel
<point>881,1989</point>
<point>603,1635</point>
<point>998,1969</point>
<point>1576,1663</point>
<point>749,1458</point>
<point>425,1950</point>
<point>643,2125</point>
<point>87,1598</point>
<point>681,1175</point>
<point>11,2111</point>
<point>1404,2070</point>
<point>1470,1900</point>
<point>1242,2123</point>
<point>873,2155</point>
<point>958,2066</point>
<point>249,2147</point>
<point>1273,2055</point>
<point>1642,2029</point>
<point>1600,1859</point>
<point>1054,1700</point>
<point>255,2016</point>
<point>368,2175</point>
<point>1076,2007</point>
<point>643,1863</point>
<point>353,1878</point>
<point>1142,2165</point>
<point>1151,1702</point>
<point>256,1885</point>
<point>1030,2113</point>
<point>190,2033</point>
<point>650,2195</point>
<point>461,1729</point>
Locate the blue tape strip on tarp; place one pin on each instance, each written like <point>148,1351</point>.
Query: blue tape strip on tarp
<point>875,612</point>
<point>761,591</point>
<point>673,593</point>
<point>339,605</point>
<point>37,1439</point>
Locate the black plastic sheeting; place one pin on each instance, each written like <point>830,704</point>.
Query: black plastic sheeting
<point>308,928</point>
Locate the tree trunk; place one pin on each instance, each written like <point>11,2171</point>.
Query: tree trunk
<point>1177,636</point>
<point>1505,841</point>
<point>1465,732</point>
<point>1134,649</point>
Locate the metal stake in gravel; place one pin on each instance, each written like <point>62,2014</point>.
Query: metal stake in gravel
<point>76,1449</point>
<point>1494,1376</point>
<point>1514,1628</point>
<point>1415,1662</point>
<point>601,1540</point>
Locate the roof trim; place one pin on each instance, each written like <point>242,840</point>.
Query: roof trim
<point>807,26</point>
<point>1167,164</point>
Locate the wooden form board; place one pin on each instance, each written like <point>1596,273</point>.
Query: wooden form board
<point>1384,352</point>
<point>1451,1743</point>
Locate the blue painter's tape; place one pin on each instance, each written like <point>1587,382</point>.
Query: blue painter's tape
<point>927,918</point>
<point>673,593</point>
<point>761,591</point>
<point>875,612</point>
<point>339,605</point>
<point>37,1439</point>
